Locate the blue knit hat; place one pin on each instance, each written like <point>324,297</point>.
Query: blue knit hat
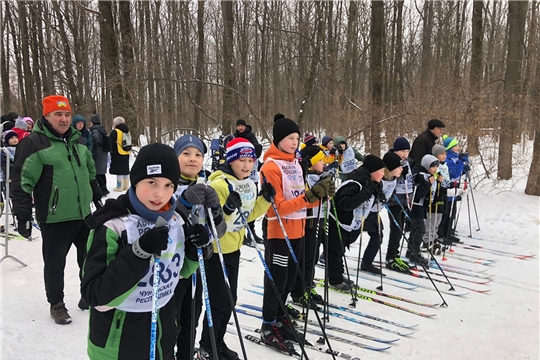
<point>401,144</point>
<point>188,141</point>
<point>449,142</point>
<point>326,139</point>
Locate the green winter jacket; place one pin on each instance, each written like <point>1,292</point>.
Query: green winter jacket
<point>57,171</point>
<point>340,139</point>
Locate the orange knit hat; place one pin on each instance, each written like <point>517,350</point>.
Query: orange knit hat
<point>55,102</point>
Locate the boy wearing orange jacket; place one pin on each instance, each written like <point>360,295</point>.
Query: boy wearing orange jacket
<point>282,170</point>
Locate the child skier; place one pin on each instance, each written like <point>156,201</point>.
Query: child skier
<point>236,191</point>
<point>10,140</point>
<point>191,192</point>
<point>349,156</point>
<point>282,170</point>
<point>403,193</point>
<point>392,170</point>
<point>353,201</point>
<point>118,271</point>
<point>312,160</point>
<point>424,191</point>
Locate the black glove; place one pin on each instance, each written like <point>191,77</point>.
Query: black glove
<point>380,195</point>
<point>219,221</point>
<point>233,202</point>
<point>340,150</point>
<point>211,199</point>
<point>322,188</point>
<point>196,237</point>
<point>96,191</point>
<point>333,165</point>
<point>194,195</point>
<point>333,151</point>
<point>419,179</point>
<point>24,226</point>
<point>154,241</point>
<point>268,192</point>
<point>466,167</point>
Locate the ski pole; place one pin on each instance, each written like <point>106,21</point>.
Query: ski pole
<point>457,216</point>
<point>160,222</point>
<point>227,282</point>
<point>291,250</point>
<point>359,255</point>
<point>444,303</point>
<point>379,231</point>
<point>193,311</point>
<point>474,202</point>
<point>326,317</point>
<point>450,220</point>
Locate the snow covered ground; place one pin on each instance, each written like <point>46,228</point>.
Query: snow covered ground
<point>502,324</point>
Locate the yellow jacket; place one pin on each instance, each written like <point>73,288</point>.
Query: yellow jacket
<point>232,240</point>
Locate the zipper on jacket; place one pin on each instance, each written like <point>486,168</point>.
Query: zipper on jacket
<point>118,322</point>
<point>55,200</point>
<point>67,148</point>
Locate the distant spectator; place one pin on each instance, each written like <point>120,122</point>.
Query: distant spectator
<point>79,123</point>
<point>99,151</point>
<point>423,144</point>
<point>20,128</point>
<point>119,156</point>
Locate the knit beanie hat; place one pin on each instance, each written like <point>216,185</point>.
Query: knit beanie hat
<point>429,161</point>
<point>155,160</point>
<point>401,144</point>
<point>437,150</point>
<point>449,142</point>
<point>373,163</point>
<point>8,125</point>
<point>55,102</point>
<point>188,141</point>
<point>433,123</point>
<point>21,124</point>
<point>28,119</point>
<point>76,119</point>
<point>326,139</point>
<point>94,119</point>
<point>282,128</point>
<point>312,155</point>
<point>392,161</point>
<point>118,120</point>
<point>309,139</point>
<point>278,116</point>
<point>241,122</point>
<point>239,148</point>
<point>8,135</point>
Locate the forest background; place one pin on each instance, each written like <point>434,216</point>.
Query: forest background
<point>366,70</point>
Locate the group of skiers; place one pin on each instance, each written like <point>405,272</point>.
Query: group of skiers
<point>176,217</point>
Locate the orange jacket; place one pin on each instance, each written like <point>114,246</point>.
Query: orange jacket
<point>272,172</point>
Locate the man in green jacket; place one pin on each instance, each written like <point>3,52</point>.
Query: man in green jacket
<point>55,167</point>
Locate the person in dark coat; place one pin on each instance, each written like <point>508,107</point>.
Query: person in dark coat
<point>244,130</point>
<point>98,132</point>
<point>79,123</point>
<point>424,142</point>
<point>119,157</point>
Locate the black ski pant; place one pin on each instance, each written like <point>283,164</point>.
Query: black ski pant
<point>217,291</point>
<point>283,270</point>
<point>308,257</point>
<point>57,240</point>
<point>418,229</point>
<point>182,297</point>
<point>371,225</point>
<point>396,232</point>
<point>446,229</point>
<point>335,251</point>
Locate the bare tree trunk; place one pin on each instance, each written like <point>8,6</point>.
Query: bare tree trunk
<point>127,41</point>
<point>4,60</point>
<point>35,46</point>
<point>376,37</point>
<point>426,44</point>
<point>533,182</point>
<point>517,11</point>
<point>475,76</point>
<point>199,66</point>
<point>229,110</point>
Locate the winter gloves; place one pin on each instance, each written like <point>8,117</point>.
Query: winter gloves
<point>325,187</point>
<point>199,194</point>
<point>232,203</point>
<point>96,191</point>
<point>196,237</point>
<point>24,226</point>
<point>465,158</point>
<point>153,242</point>
<point>268,192</point>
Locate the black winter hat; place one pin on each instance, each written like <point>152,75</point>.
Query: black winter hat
<point>433,123</point>
<point>311,155</point>
<point>392,161</point>
<point>284,127</point>
<point>8,135</point>
<point>94,119</point>
<point>401,144</point>
<point>155,160</point>
<point>278,116</point>
<point>241,122</point>
<point>373,163</point>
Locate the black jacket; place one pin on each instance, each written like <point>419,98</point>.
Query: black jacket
<point>119,163</point>
<point>350,196</point>
<point>248,135</point>
<point>422,145</point>
<point>422,191</point>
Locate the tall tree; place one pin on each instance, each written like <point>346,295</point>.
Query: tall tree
<point>229,110</point>
<point>427,32</point>
<point>517,11</point>
<point>199,67</point>
<point>376,71</point>
<point>4,58</point>
<point>475,75</point>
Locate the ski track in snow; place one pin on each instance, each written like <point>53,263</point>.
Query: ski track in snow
<point>502,324</point>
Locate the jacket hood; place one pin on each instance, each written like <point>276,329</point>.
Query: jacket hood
<point>340,140</point>
<point>76,119</point>
<point>276,154</point>
<point>428,160</point>
<point>123,128</point>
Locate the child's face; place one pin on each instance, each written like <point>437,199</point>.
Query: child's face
<point>191,161</point>
<point>441,157</point>
<point>289,144</point>
<point>403,154</point>
<point>397,171</point>
<point>343,146</point>
<point>13,141</point>
<point>79,125</point>
<point>433,170</point>
<point>377,176</point>
<point>29,126</point>
<point>330,144</point>
<point>318,166</point>
<point>242,167</point>
<point>456,149</point>
<point>154,193</point>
